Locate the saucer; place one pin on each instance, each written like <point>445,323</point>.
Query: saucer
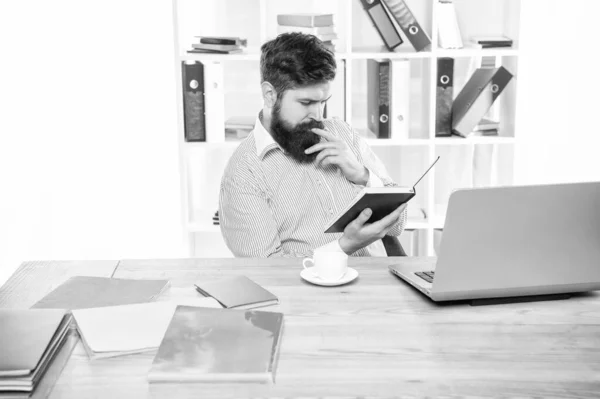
<point>307,275</point>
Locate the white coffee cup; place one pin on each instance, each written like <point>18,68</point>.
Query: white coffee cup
<point>328,265</point>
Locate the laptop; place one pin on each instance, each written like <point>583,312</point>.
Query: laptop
<point>518,241</point>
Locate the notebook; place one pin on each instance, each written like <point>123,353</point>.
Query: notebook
<point>381,200</point>
<point>29,341</point>
<point>81,292</point>
<point>126,329</point>
<point>238,292</point>
<point>218,345</point>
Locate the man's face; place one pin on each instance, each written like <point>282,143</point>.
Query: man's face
<point>294,115</point>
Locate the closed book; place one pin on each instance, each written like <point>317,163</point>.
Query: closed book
<point>449,35</point>
<point>336,105</point>
<point>217,47</point>
<point>408,23</point>
<point>378,97</point>
<point>81,292</point>
<point>33,348</point>
<point>209,51</point>
<point>492,41</point>
<point>214,97</point>
<point>400,99</point>
<point>381,200</point>
<point>444,92</point>
<point>383,23</point>
<point>315,30</point>
<point>193,101</point>
<point>125,329</point>
<point>305,19</point>
<point>223,40</point>
<point>218,345</point>
<point>476,98</point>
<point>237,292</point>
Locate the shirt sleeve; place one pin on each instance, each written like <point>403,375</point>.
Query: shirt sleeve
<point>247,223</point>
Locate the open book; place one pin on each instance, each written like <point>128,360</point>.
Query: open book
<point>381,200</point>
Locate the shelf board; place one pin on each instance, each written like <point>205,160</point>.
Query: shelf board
<point>476,52</point>
<point>198,227</point>
<point>416,225</point>
<point>378,52</point>
<point>397,142</point>
<point>473,140</point>
<point>216,144</point>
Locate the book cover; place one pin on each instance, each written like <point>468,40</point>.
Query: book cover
<point>125,329</point>
<point>409,24</point>
<point>381,200</point>
<point>218,345</point>
<point>81,292</point>
<point>444,93</point>
<point>476,98</point>
<point>378,97</point>
<point>336,106</point>
<point>27,337</point>
<point>305,20</point>
<point>223,40</point>
<point>449,35</point>
<point>193,101</point>
<point>215,47</point>
<point>316,30</point>
<point>214,97</point>
<point>209,51</point>
<point>382,21</point>
<point>237,292</point>
<point>400,99</point>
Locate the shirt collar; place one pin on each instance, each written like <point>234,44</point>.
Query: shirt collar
<point>263,140</point>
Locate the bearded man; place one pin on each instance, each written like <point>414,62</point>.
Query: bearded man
<point>296,170</point>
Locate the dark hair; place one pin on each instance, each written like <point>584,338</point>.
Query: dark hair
<point>295,59</point>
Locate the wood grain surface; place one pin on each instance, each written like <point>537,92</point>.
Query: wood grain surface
<point>374,337</point>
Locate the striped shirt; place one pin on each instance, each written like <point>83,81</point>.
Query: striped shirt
<point>272,205</point>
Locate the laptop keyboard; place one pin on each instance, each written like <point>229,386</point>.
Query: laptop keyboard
<point>427,276</point>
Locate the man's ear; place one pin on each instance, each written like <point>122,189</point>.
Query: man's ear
<point>269,94</point>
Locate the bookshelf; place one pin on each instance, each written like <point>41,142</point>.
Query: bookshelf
<point>470,162</point>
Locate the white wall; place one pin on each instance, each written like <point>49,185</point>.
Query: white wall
<point>88,150</point>
<point>559,100</point>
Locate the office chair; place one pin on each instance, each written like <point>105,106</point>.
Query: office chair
<point>392,246</point>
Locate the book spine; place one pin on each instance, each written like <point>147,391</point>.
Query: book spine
<point>409,24</point>
<point>193,102</point>
<point>223,41</point>
<point>384,100</point>
<point>481,100</point>
<point>382,22</point>
<point>306,21</point>
<point>400,99</point>
<point>214,102</point>
<point>336,106</point>
<point>444,92</point>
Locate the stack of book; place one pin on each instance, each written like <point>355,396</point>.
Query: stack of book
<point>218,45</point>
<point>492,41</point>
<point>31,341</point>
<point>239,127</point>
<point>319,25</point>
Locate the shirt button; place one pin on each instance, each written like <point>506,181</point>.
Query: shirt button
<point>330,210</point>
<point>319,182</point>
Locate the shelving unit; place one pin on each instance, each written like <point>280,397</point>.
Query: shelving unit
<point>472,162</point>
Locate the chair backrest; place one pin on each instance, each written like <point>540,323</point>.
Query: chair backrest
<point>392,246</point>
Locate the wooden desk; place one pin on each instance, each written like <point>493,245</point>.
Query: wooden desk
<point>374,337</point>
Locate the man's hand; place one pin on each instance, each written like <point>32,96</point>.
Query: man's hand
<point>358,234</point>
<point>334,151</point>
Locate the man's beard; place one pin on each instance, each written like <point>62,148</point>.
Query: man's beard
<point>295,139</point>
